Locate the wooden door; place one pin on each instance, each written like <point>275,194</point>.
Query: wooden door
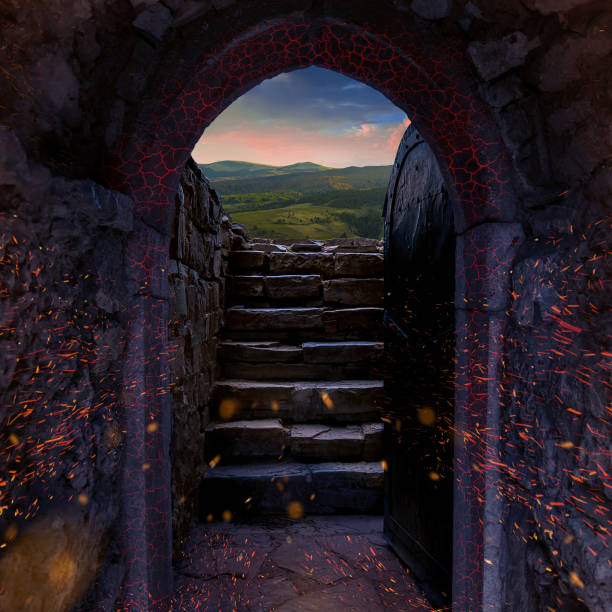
<point>419,343</point>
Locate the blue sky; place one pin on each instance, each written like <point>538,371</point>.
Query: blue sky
<point>307,115</point>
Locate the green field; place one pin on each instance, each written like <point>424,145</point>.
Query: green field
<point>312,202</point>
<point>302,221</point>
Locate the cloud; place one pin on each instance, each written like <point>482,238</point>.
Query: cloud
<point>306,115</point>
<point>396,134</point>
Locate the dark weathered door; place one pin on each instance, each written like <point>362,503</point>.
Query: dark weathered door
<point>419,342</point>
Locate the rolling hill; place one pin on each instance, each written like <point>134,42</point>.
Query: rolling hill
<point>235,170</point>
<point>303,200</point>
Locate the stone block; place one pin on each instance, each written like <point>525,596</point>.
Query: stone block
<point>273,318</point>
<point>153,21</point>
<point>259,351</point>
<point>246,286</point>
<point>309,246</point>
<point>432,9</point>
<point>493,58</point>
<point>325,443</point>
<point>484,257</point>
<point>262,438</point>
<point>373,441</point>
<point>359,264</point>
<point>345,401</point>
<point>354,292</point>
<point>348,487</point>
<point>293,286</point>
<point>351,319</point>
<point>247,260</point>
<point>353,245</point>
<point>342,352</point>
<point>302,263</point>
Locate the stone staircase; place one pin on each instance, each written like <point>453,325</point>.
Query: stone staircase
<point>296,426</point>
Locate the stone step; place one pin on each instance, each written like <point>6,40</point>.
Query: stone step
<point>354,291</point>
<point>347,352</point>
<point>247,260</point>
<point>335,323</point>
<point>259,352</point>
<point>298,371</point>
<point>265,319</point>
<point>247,440</point>
<point>310,361</point>
<point>359,264</point>
<point>343,352</point>
<point>286,286</point>
<point>288,487</point>
<point>355,401</point>
<point>302,263</point>
<point>341,320</point>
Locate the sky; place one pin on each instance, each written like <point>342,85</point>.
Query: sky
<point>313,115</point>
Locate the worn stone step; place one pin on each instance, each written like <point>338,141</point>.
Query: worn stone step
<point>352,319</point>
<point>298,371</point>
<point>299,402</point>
<point>354,245</point>
<point>283,287</point>
<point>258,352</point>
<point>320,442</point>
<point>342,352</point>
<point>354,291</point>
<point>247,260</point>
<point>291,286</point>
<point>302,263</point>
<point>288,487</point>
<point>264,319</point>
<point>247,440</point>
<point>359,264</point>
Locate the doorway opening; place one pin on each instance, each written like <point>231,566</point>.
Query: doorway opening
<point>292,423</point>
<point>424,80</point>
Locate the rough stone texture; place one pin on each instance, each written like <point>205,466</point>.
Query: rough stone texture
<point>302,263</point>
<point>319,488</point>
<point>342,352</point>
<point>263,438</point>
<point>74,80</point>
<point>63,325</point>
<point>247,260</point>
<point>301,286</point>
<point>245,441</point>
<point>359,264</point>
<point>349,319</point>
<point>298,371</point>
<point>246,286</point>
<point>299,401</point>
<point>200,237</point>
<point>493,58</point>
<point>259,351</point>
<point>320,443</point>
<point>352,292</point>
<point>316,563</point>
<point>273,318</point>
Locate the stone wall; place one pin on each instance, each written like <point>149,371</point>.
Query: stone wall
<point>201,237</point>
<point>63,309</point>
<point>79,78</point>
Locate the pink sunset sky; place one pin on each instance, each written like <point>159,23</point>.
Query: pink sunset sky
<point>310,115</point>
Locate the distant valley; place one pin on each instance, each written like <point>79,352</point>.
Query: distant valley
<point>303,200</point>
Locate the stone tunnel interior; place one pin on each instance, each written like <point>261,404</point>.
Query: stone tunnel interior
<point>251,332</point>
<point>102,106</point>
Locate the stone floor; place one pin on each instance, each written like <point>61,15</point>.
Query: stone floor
<point>322,563</point>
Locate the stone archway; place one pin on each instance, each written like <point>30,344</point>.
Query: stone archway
<point>428,80</point>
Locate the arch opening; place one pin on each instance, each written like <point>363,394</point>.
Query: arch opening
<point>472,160</point>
